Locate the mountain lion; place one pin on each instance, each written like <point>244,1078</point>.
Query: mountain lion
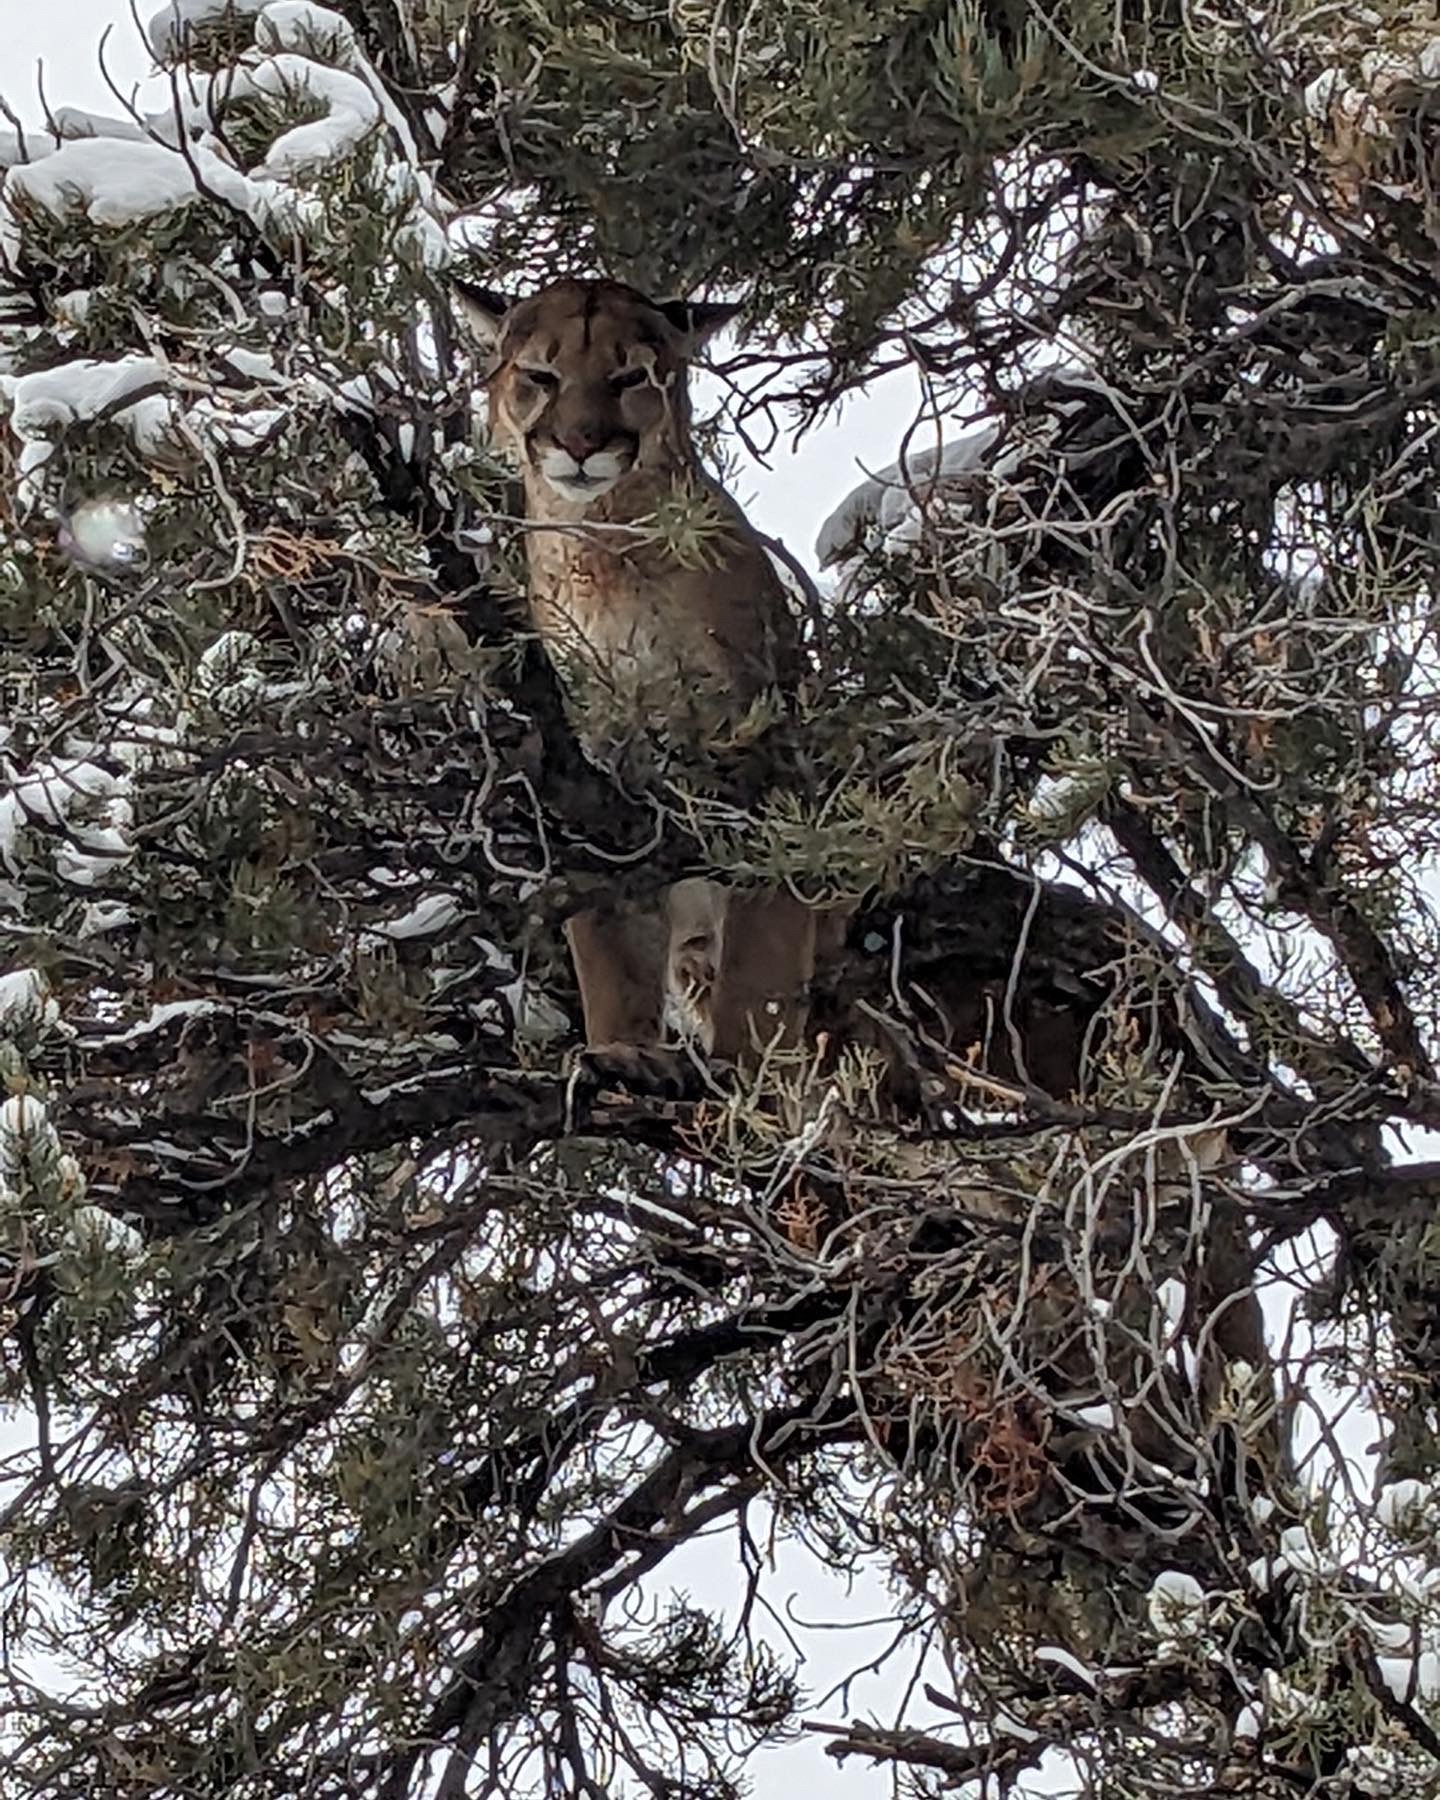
<point>588,390</point>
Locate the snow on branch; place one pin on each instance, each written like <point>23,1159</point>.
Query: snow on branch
<point>118,173</point>
<point>170,30</point>
<point>886,503</point>
<point>116,183</point>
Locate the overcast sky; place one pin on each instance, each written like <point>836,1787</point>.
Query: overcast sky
<point>65,34</point>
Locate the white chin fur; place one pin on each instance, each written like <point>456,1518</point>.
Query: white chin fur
<point>568,487</point>
<point>581,483</point>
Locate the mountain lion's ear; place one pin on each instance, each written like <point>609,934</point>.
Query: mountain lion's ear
<point>484,311</point>
<point>697,321</point>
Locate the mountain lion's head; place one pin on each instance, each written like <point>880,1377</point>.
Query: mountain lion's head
<point>588,379</point>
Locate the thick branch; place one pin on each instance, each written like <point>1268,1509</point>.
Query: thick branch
<point>961,1763</point>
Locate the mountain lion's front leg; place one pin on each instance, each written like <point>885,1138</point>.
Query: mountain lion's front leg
<point>620,964</point>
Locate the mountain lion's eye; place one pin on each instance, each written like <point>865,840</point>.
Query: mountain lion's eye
<point>543,378</point>
<point>629,378</point>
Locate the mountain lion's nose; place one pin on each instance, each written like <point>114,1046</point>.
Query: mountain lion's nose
<point>581,441</point>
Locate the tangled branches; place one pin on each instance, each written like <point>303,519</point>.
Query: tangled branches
<point>377,1370</point>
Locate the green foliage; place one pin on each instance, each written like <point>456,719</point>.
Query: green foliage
<point>374,1370</point>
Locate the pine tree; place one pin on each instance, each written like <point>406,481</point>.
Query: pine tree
<point>370,1367</point>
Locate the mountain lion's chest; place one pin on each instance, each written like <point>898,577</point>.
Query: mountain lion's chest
<point>643,644</point>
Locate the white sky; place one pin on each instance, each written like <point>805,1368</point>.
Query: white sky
<point>65,34</point>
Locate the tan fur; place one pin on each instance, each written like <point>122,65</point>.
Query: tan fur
<point>588,391</point>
